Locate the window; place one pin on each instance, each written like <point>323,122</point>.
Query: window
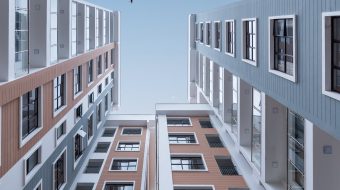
<point>118,186</point>
<point>124,165</point>
<point>234,112</point>
<point>127,146</point>
<point>77,79</point>
<point>109,132</point>
<point>230,37</point>
<point>21,37</point>
<point>93,166</point>
<point>112,75</point>
<point>201,32</point>
<point>106,81</point>
<point>87,28</point>
<point>54,31</point>
<point>178,121</point>
<point>112,57</point>
<point>194,188</point>
<point>205,124</point>
<point>214,141</point>
<point>90,127</point>
<point>61,130</point>
<point>249,41</point>
<point>90,71</point>
<point>91,98</point>
<point>99,113</point>
<point>106,103</point>
<point>111,94</point>
<point>296,127</point>
<point>97,28</point>
<point>30,112</point>
<point>78,144</point>
<point>74,29</point>
<point>226,165</point>
<point>282,46</point>
<point>220,89</point>
<point>256,129</point>
<point>217,35</point>
<point>187,162</point>
<point>59,92</point>
<point>106,60</point>
<point>182,139</point>
<point>104,26</point>
<point>60,172</point>
<point>208,34</point>
<point>79,111</point>
<point>331,54</point>
<point>197,32</point>
<point>102,147</point>
<point>99,65</point>
<point>99,89</point>
<point>39,186</point>
<point>33,161</point>
<point>132,131</point>
<point>85,186</point>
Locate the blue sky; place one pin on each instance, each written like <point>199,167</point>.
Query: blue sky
<point>154,50</point>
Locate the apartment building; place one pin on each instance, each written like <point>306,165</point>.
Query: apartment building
<point>59,78</point>
<point>269,70</point>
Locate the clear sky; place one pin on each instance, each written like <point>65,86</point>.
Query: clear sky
<point>154,47</point>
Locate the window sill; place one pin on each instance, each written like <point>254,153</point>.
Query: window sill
<point>331,94</point>
<point>29,137</point>
<point>75,96</point>
<point>217,49</point>
<point>205,170</point>
<point>60,139</point>
<point>253,63</point>
<point>55,113</point>
<point>32,173</point>
<point>230,54</point>
<point>283,75</point>
<point>89,84</point>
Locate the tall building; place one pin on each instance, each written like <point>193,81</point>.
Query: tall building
<point>59,74</point>
<point>269,70</point>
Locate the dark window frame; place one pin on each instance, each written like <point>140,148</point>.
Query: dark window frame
<point>59,171</point>
<point>90,71</point>
<point>334,68</point>
<point>250,34</point>
<point>33,160</point>
<point>230,33</point>
<point>77,79</point>
<point>128,146</point>
<point>129,164</point>
<point>30,119</point>
<point>78,147</point>
<point>187,162</point>
<point>218,35</point>
<point>99,65</point>
<point>182,138</point>
<point>59,84</point>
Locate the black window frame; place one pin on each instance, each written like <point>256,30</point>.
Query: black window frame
<point>60,171</point>
<point>249,43</point>
<point>99,113</point>
<point>77,79</point>
<point>118,185</point>
<point>128,146</point>
<point>208,33</point>
<point>132,131</point>
<point>226,166</point>
<point>106,60</point>
<point>79,111</point>
<point>30,120</point>
<point>193,162</point>
<point>90,71</point>
<point>59,84</point>
<point>218,34</point>
<point>78,147</point>
<point>60,133</point>
<point>91,98</point>
<point>129,164</point>
<point>182,138</point>
<point>334,68</point>
<point>201,32</point>
<point>214,141</point>
<point>230,33</point>
<point>33,160</point>
<point>281,55</point>
<point>99,65</point>
<point>179,124</point>
<point>90,126</point>
<point>205,123</point>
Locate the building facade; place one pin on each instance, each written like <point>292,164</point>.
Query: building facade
<point>59,77</point>
<point>269,70</point>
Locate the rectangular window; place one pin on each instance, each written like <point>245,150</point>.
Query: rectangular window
<point>104,26</point>
<point>220,89</point>
<point>187,162</point>
<point>256,129</point>
<point>106,60</point>
<point>208,33</point>
<point>74,29</point>
<point>59,92</point>
<point>90,71</point>
<point>296,133</point>
<point>234,113</point>
<point>226,165</point>
<point>99,113</point>
<point>102,147</point>
<point>133,146</point>
<point>84,186</point>
<point>217,35</point>
<point>21,37</point>
<point>77,79</point>
<point>109,132</point>
<point>282,46</point>
<point>33,161</point>
<point>61,130</point>
<point>93,166</point>
<point>106,81</point>
<point>99,89</point>
<point>112,56</point>
<point>60,172</point>
<point>106,103</point>
<point>132,131</point>
<point>87,29</point>
<point>118,186</point>
<point>214,141</point>
<point>182,139</point>
<point>230,37</point>
<point>99,65</point>
<point>97,28</point>
<point>79,111</point>
<point>78,145</point>
<point>124,165</point>
<point>249,41</point>
<point>90,127</point>
<point>178,122</point>
<point>198,188</point>
<point>91,98</point>
<point>205,123</point>
<point>201,32</point>
<point>336,54</point>
<point>30,112</point>
<point>112,75</point>
<point>54,31</point>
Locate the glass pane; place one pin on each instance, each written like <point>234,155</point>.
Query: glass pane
<point>279,63</point>
<point>54,36</point>
<point>21,41</point>
<point>256,129</point>
<point>279,26</point>
<point>336,79</point>
<point>336,29</point>
<point>289,27</point>
<point>21,4</point>
<point>336,54</point>
<point>21,17</point>
<point>54,53</point>
<point>54,6</point>
<point>54,20</point>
